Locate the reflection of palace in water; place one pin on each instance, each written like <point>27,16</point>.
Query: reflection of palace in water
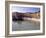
<point>20,16</point>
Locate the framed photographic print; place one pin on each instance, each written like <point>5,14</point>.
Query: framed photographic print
<point>24,18</point>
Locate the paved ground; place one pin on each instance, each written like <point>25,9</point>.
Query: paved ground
<point>25,25</point>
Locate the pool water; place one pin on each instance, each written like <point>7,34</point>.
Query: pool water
<point>25,25</point>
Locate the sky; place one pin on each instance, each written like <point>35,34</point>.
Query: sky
<point>25,9</point>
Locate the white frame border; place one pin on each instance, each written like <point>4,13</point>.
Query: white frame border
<point>24,32</point>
